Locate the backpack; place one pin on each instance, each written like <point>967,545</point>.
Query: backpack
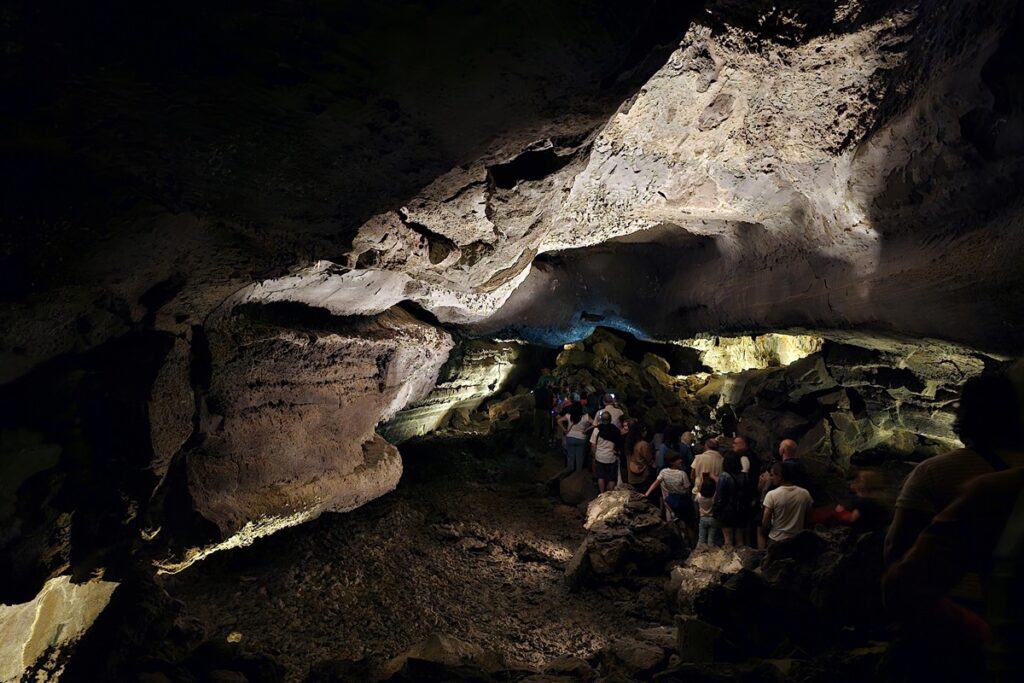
<point>731,499</point>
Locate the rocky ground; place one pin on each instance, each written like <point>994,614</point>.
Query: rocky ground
<point>471,544</point>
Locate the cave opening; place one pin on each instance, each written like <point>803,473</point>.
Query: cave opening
<point>310,310</point>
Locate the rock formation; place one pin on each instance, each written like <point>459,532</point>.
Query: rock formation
<point>231,253</point>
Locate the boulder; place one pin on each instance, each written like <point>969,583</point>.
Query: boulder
<point>662,636</point>
<point>604,336</point>
<point>626,537</point>
<point>696,640</point>
<point>804,592</point>
<point>441,658</point>
<point>577,488</point>
<point>651,360</point>
<point>608,506</point>
<point>633,657</point>
<point>572,667</point>
<point>707,567</point>
<point>574,357</point>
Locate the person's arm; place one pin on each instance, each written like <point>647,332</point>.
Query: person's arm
<point>766,519</point>
<point>654,484</point>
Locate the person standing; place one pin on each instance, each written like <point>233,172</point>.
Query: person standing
<point>686,448</point>
<point>577,427</point>
<point>613,410</point>
<point>731,501</point>
<point>741,447</point>
<point>989,422</point>
<point>543,400</point>
<point>708,527</point>
<point>676,499</point>
<point>640,463</point>
<point>707,463</point>
<point>786,508</point>
<point>605,445</point>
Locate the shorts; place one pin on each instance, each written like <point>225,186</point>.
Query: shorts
<point>682,506</point>
<point>609,471</point>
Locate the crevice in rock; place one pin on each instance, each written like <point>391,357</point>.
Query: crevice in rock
<point>532,164</point>
<point>439,247</point>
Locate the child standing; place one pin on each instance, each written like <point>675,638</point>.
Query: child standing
<point>708,531</point>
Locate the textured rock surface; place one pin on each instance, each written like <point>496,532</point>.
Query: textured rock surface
<point>47,626</point>
<point>627,538</point>
<point>841,168</point>
<point>287,424</point>
<point>807,165</point>
<point>475,371</point>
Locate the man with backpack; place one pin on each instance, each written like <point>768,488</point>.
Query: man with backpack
<point>732,498</point>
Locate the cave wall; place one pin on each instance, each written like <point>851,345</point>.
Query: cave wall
<point>213,216</point>
<point>286,423</point>
<point>163,160</point>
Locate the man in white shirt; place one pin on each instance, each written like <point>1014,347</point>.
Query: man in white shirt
<point>612,410</point>
<point>786,508</point>
<point>605,443</point>
<point>707,463</point>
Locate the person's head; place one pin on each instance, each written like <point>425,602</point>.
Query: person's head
<point>740,445</point>
<point>672,434</point>
<point>675,463</point>
<point>731,464</point>
<point>609,399</point>
<point>688,438</point>
<point>779,475</point>
<point>707,487</point>
<point>575,411</point>
<point>711,444</point>
<point>989,413</point>
<point>606,418</point>
<point>787,449</point>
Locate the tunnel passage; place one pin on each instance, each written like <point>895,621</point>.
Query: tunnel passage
<point>248,250</point>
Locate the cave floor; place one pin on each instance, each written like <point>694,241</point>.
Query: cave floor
<point>470,544</point>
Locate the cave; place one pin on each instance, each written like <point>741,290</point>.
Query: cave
<point>292,292</point>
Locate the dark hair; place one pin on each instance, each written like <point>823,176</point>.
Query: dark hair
<point>732,464</point>
<point>779,470</point>
<point>707,486</point>
<point>575,412</point>
<point>673,434</point>
<point>989,414</point>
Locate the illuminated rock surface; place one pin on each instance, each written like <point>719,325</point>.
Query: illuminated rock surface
<point>240,243</point>
<point>47,625</point>
<point>287,420</point>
